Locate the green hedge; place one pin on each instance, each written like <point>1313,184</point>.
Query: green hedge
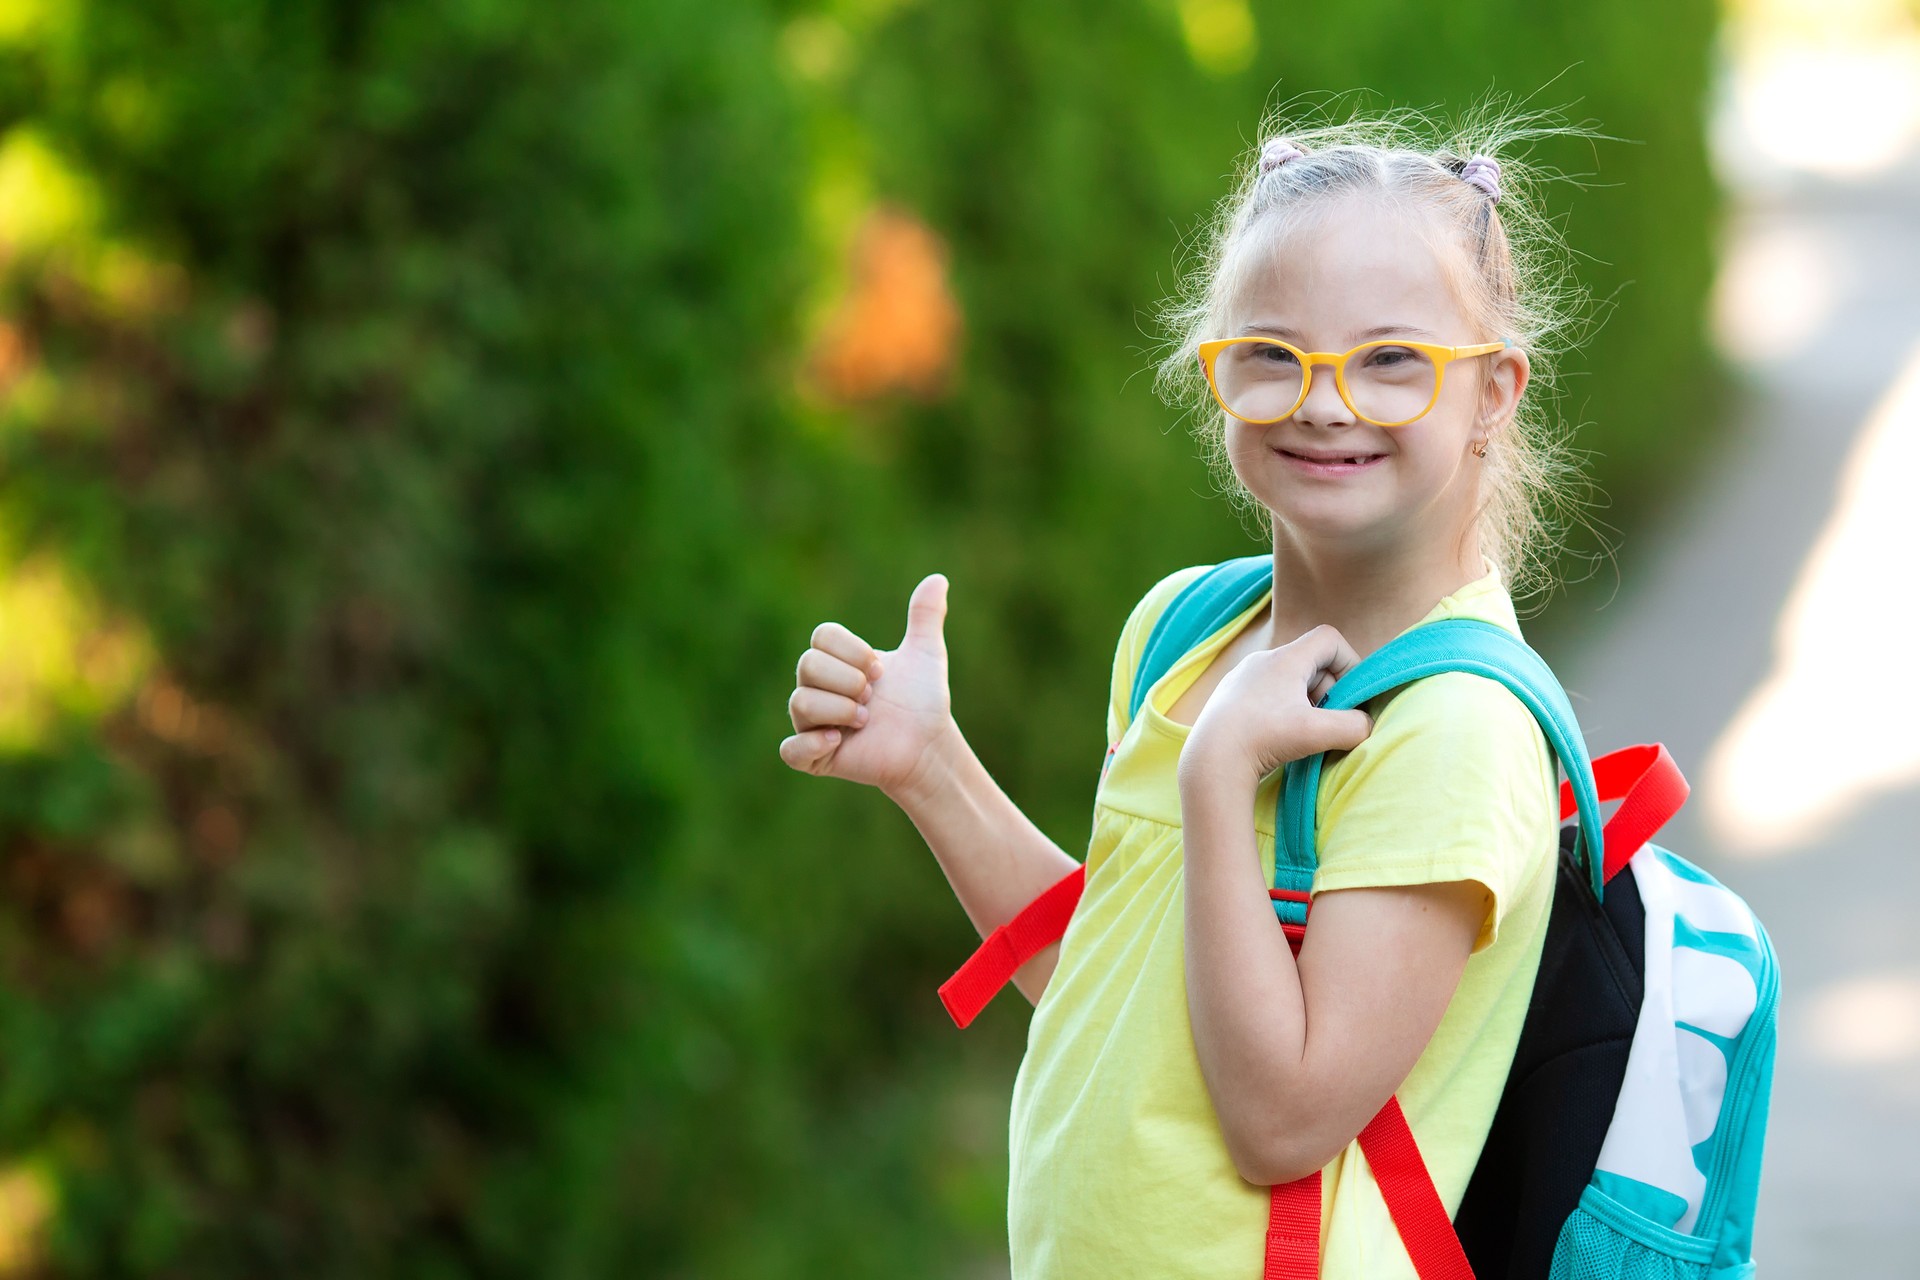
<point>368,383</point>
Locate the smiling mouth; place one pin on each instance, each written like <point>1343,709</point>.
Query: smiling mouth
<point>1352,460</point>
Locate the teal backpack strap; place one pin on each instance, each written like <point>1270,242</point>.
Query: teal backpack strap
<point>1450,644</point>
<point>1201,608</point>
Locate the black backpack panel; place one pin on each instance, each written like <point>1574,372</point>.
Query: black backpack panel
<point>1566,1075</point>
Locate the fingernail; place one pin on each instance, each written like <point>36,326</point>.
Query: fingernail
<point>860,714</point>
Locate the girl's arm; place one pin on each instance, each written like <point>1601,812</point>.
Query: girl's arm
<point>995,858</point>
<point>1299,1056</point>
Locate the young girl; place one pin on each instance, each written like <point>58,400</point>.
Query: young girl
<point>1181,1061</point>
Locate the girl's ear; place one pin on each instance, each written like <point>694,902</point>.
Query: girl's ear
<point>1505,384</point>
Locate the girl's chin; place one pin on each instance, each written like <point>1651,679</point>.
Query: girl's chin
<point>1334,509</point>
<point>1342,522</point>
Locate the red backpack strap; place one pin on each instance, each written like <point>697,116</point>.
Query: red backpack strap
<point>1293,1230</point>
<point>1411,1197</point>
<point>1293,1220</point>
<point>1650,789</point>
<point>1003,951</point>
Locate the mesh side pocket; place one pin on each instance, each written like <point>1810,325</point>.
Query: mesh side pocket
<point>1604,1240</point>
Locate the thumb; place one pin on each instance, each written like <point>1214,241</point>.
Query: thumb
<point>927,612</point>
<point>1344,730</point>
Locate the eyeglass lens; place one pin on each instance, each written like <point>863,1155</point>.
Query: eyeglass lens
<point>1261,381</point>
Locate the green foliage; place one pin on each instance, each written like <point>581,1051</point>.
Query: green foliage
<point>372,388</point>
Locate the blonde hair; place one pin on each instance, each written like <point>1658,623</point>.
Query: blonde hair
<point>1503,260</point>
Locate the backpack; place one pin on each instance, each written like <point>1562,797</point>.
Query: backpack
<point>1627,1141</point>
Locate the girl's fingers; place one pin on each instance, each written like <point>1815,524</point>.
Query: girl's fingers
<point>1329,651</point>
<point>1345,730</point>
<point>808,751</point>
<point>812,708</point>
<point>836,641</point>
<point>821,670</point>
<point>1345,659</point>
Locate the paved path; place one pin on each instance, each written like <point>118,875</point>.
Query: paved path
<point>1826,273</point>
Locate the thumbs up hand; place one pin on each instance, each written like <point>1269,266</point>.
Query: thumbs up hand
<point>870,716</point>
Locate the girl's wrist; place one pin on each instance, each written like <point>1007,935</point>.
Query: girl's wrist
<point>935,772</point>
<point>1217,772</point>
<point>1216,817</point>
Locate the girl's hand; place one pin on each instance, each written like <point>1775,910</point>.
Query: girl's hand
<point>1263,713</point>
<point>872,717</point>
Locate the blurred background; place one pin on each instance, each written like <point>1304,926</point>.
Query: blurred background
<point>430,433</point>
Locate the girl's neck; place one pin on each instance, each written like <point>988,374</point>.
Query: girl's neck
<point>1368,599</point>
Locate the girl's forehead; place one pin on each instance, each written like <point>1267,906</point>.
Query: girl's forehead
<point>1337,276</point>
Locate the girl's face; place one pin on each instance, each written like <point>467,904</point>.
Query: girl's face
<point>1361,274</point>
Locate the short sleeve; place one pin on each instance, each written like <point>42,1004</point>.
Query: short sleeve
<point>1456,782</point>
<point>1133,643</point>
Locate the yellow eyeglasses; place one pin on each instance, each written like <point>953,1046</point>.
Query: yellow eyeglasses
<point>1262,380</point>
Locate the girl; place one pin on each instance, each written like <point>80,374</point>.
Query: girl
<point>1181,1060</point>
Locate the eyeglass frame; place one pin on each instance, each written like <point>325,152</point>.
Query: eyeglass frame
<point>1442,356</point>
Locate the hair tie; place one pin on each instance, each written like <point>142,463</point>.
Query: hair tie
<point>1484,173</point>
<point>1276,153</point>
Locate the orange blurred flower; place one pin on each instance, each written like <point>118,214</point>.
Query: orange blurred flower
<point>898,328</point>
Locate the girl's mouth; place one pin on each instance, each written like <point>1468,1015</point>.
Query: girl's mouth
<point>1332,466</point>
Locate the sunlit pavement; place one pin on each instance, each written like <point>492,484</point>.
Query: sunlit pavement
<point>1769,638</point>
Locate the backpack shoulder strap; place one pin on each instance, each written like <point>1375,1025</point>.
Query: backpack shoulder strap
<point>1450,644</point>
<point>1201,608</point>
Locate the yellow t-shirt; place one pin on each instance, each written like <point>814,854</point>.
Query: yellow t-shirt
<point>1119,1169</point>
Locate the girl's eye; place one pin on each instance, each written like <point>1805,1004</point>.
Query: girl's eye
<point>1275,355</point>
<point>1388,356</point>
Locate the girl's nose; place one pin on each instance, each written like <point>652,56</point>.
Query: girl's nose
<point>1323,403</point>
